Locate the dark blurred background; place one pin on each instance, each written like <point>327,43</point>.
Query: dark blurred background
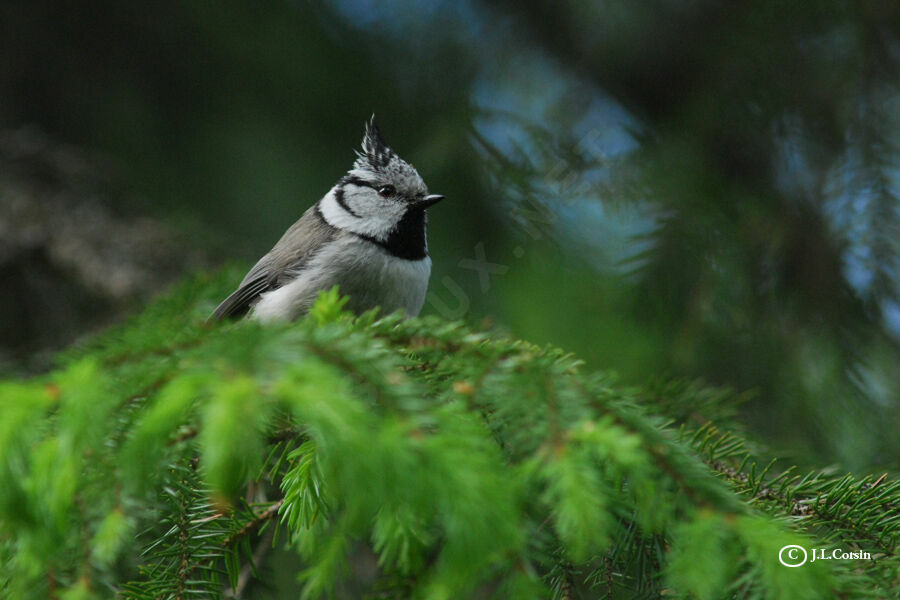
<point>670,189</point>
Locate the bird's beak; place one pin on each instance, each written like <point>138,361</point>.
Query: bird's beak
<point>428,201</point>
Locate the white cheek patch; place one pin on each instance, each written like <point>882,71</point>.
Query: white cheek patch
<point>372,218</point>
<point>334,214</point>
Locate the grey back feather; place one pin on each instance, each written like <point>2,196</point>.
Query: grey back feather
<point>282,264</point>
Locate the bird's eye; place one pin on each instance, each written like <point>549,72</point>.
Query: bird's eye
<point>387,191</point>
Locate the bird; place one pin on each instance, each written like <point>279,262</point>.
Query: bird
<point>366,235</point>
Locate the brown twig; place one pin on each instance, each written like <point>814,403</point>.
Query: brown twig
<point>248,527</point>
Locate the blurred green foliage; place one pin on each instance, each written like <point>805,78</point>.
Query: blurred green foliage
<point>678,188</point>
<point>389,457</point>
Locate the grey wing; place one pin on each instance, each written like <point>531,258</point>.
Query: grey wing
<point>282,264</point>
<point>240,300</point>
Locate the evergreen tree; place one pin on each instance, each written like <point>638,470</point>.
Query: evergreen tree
<point>400,458</point>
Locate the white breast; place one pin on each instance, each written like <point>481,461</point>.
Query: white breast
<point>362,270</point>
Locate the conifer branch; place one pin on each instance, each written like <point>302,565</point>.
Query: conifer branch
<point>460,460</point>
<point>250,526</point>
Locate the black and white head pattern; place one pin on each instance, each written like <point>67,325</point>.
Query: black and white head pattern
<point>380,199</point>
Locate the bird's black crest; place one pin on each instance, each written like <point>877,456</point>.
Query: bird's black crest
<point>376,150</point>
